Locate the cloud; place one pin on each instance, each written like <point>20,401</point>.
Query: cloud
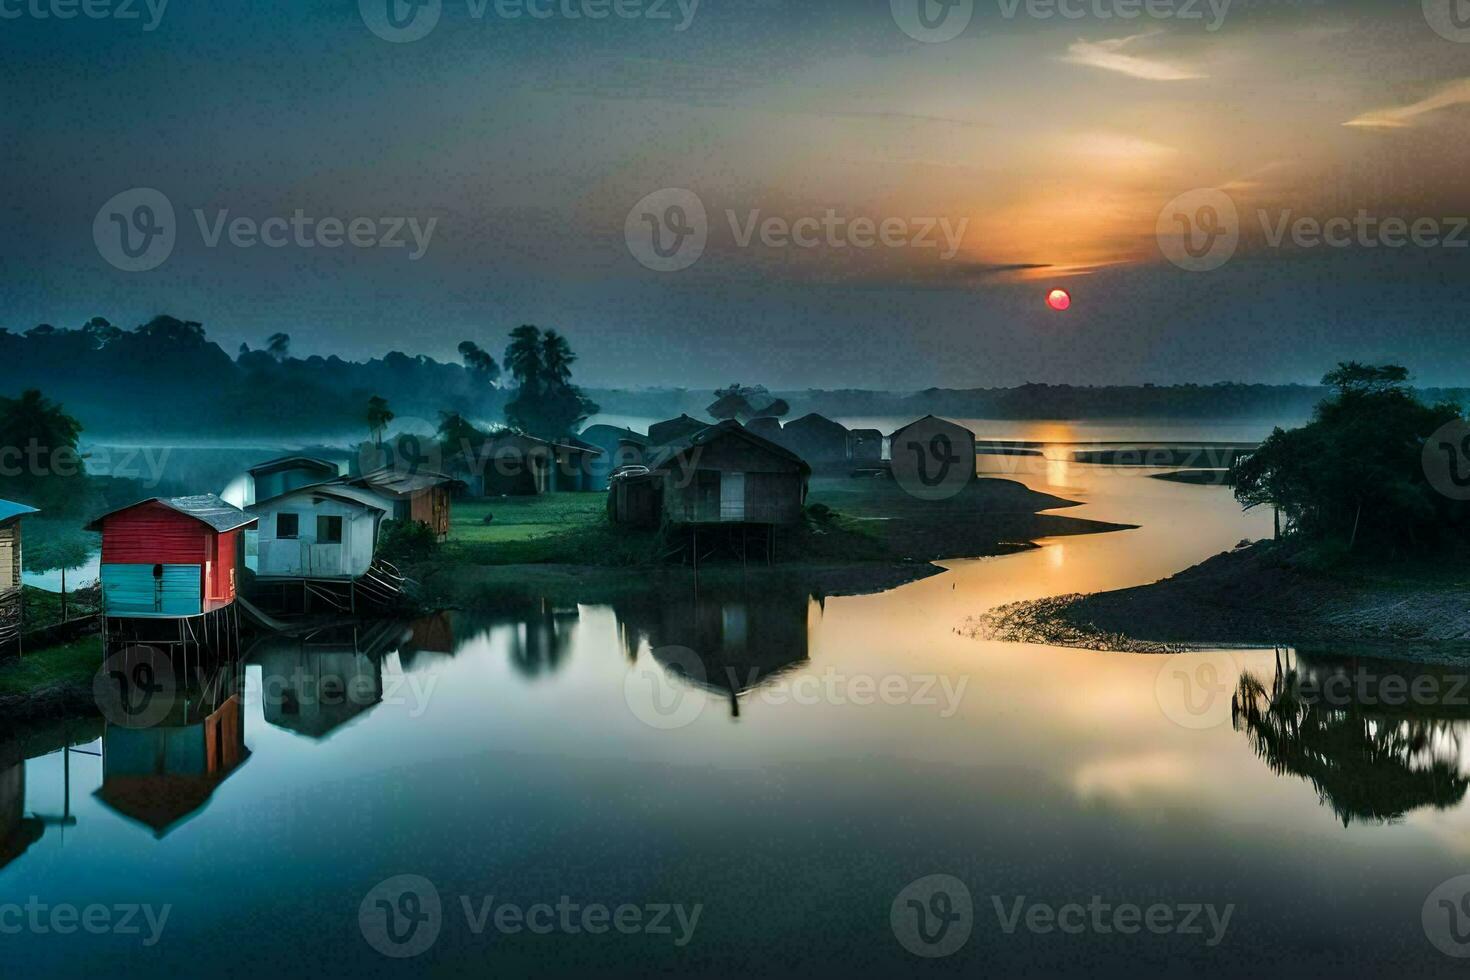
<point>1109,56</point>
<point>1455,93</point>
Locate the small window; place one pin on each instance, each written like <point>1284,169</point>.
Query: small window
<point>329,530</point>
<point>288,525</point>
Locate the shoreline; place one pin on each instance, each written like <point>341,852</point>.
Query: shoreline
<point>1262,595</point>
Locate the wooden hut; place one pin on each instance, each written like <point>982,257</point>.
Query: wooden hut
<point>635,497</point>
<point>618,447</point>
<point>767,427</point>
<point>725,474</point>
<point>328,532</point>
<point>865,446</point>
<point>170,557</point>
<point>932,457</point>
<point>422,495</point>
<point>513,464</point>
<point>278,476</point>
<point>816,439</point>
<point>12,606</point>
<point>670,432</point>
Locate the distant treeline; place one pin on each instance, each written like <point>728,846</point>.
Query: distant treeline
<point>166,380</point>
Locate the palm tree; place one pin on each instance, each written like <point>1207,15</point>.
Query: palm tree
<point>523,356</point>
<point>378,417</point>
<point>556,358</point>
<point>278,346</point>
<point>479,361</point>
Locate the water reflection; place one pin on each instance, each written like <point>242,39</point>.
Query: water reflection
<point>17,831</point>
<point>741,641</point>
<point>161,776</point>
<point>1371,747</point>
<point>316,683</point>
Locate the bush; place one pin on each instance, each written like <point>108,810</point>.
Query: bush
<point>405,542</point>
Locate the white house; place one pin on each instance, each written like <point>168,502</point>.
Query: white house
<point>328,531</point>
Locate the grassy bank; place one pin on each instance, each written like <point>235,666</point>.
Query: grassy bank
<point>862,534</point>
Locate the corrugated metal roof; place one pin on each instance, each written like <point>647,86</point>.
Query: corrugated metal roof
<point>730,427</point>
<point>281,462</point>
<point>336,489</point>
<point>402,484</point>
<point>9,509</point>
<point>207,508</point>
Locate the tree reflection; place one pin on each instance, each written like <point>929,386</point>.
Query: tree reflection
<point>1369,756</point>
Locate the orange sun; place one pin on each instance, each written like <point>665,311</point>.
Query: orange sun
<point>1059,299</point>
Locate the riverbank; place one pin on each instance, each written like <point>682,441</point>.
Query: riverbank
<point>52,683</point>
<point>1260,595</point>
<point>863,535</point>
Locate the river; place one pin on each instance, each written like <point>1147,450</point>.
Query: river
<point>1105,813</point>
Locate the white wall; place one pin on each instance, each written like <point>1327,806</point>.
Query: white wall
<point>303,555</point>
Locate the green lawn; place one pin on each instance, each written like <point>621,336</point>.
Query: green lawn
<point>557,528</point>
<point>70,663</point>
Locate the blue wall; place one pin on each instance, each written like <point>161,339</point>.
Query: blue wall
<point>131,590</point>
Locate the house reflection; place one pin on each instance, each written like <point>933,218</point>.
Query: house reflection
<point>17,831</point>
<point>163,775</point>
<point>1371,749</point>
<point>741,641</point>
<point>316,683</point>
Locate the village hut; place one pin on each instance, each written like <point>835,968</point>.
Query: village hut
<point>328,531</point>
<point>163,775</point>
<point>667,433</point>
<point>513,464</point>
<point>725,474</point>
<point>421,495</point>
<point>170,557</point>
<point>635,497</point>
<point>932,457</point>
<point>865,446</point>
<point>816,439</point>
<point>618,447</point>
<point>278,476</point>
<point>11,605</point>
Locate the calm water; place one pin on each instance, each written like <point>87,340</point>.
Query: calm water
<point>586,752</point>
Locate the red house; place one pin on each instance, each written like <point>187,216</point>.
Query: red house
<point>170,557</point>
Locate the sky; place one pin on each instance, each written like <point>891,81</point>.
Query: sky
<point>845,193</point>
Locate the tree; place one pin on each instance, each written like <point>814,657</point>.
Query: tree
<point>278,345</point>
<point>1355,473</point>
<point>378,417</point>
<point>479,361</point>
<point>39,462</point>
<point>546,404</point>
<point>56,546</point>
